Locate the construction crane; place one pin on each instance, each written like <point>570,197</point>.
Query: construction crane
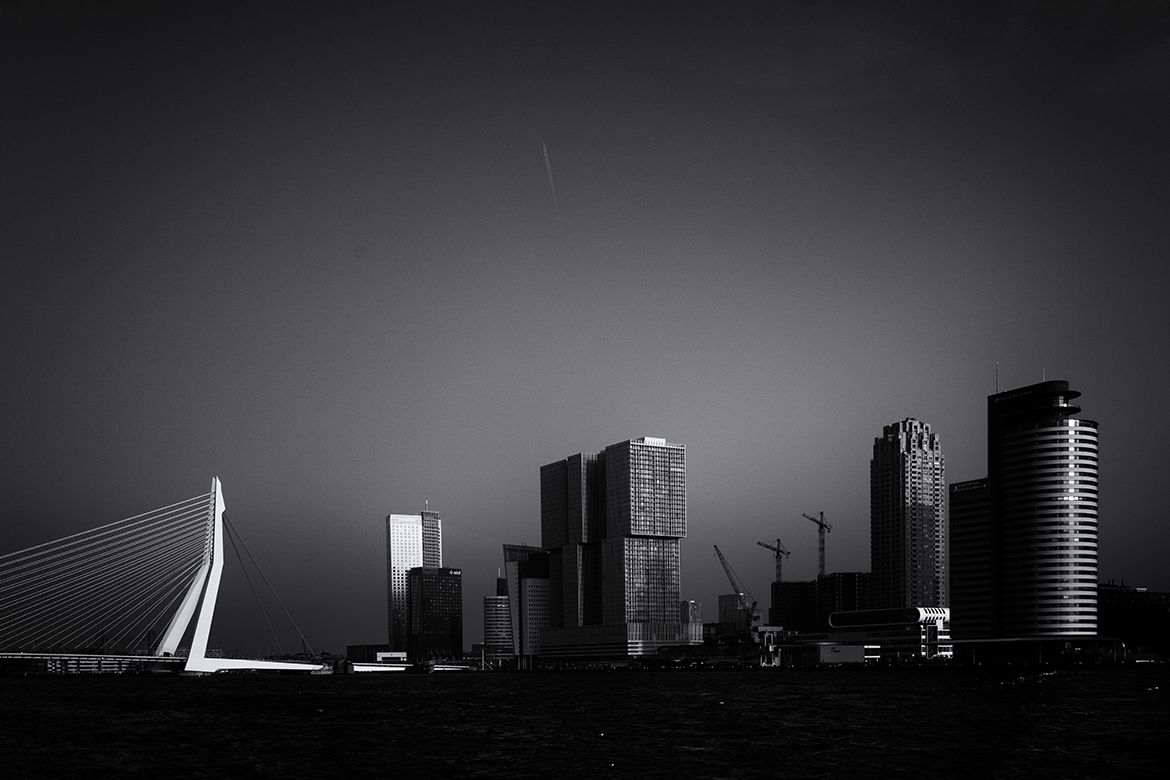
<point>780,552</point>
<point>746,602</point>
<point>820,520</point>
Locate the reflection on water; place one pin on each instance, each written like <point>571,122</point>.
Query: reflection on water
<point>808,724</point>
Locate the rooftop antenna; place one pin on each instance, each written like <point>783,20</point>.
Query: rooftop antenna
<point>426,504</point>
<point>1044,374</point>
<point>997,377</point>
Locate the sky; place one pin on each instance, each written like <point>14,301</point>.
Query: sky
<point>315,250</point>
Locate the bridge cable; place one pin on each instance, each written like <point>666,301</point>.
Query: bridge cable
<point>232,529</point>
<point>106,585</point>
<point>231,538</point>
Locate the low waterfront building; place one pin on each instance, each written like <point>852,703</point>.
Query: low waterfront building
<point>1138,617</point>
<point>899,635</point>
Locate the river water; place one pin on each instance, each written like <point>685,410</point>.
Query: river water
<point>1078,723</point>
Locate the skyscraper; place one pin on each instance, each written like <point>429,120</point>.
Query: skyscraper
<point>907,516</point>
<point>434,615</point>
<point>970,561</point>
<point>411,541</point>
<point>497,623</point>
<point>646,519</point>
<point>529,601</point>
<point>612,524</point>
<point>1026,566</point>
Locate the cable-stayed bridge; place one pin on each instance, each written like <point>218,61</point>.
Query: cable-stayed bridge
<point>124,595</point>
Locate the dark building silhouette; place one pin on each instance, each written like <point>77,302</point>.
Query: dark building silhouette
<point>971,556</point>
<point>364,654</point>
<point>434,614</point>
<point>794,606</point>
<point>841,591</point>
<point>805,606</point>
<point>572,526</point>
<point>1138,617</point>
<point>1025,565</point>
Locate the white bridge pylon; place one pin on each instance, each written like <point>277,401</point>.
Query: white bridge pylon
<point>204,590</point>
<point>104,593</point>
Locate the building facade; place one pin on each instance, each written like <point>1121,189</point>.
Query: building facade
<point>970,563</point>
<point>530,601</point>
<point>612,524</point>
<point>434,614</point>
<point>1137,616</point>
<point>732,617</point>
<point>690,612</point>
<point>497,624</point>
<point>1033,534</point>
<point>841,591</point>
<point>908,529</point>
<point>411,541</point>
<point>794,606</point>
<point>901,635</point>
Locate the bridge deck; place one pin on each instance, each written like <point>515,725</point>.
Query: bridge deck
<point>93,663</point>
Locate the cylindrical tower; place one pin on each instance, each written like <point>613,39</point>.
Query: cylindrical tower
<point>1043,481</point>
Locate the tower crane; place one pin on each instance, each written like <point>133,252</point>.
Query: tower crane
<point>746,601</point>
<point>779,551</point>
<point>820,520</point>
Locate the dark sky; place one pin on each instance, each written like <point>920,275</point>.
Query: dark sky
<point>315,252</point>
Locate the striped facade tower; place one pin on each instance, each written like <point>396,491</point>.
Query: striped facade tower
<point>1042,489</point>
<point>1024,541</point>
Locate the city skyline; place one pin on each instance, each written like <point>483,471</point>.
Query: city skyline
<point>315,253</point>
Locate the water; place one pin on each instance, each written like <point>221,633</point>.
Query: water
<point>790,723</point>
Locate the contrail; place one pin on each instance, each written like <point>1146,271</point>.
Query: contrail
<point>551,186</point>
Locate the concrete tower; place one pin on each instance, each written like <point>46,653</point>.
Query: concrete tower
<point>907,516</point>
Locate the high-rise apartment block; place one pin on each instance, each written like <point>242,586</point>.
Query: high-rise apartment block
<point>411,541</point>
<point>612,524</point>
<point>1024,549</point>
<point>908,530</point>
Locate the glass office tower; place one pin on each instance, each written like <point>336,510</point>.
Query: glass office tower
<point>411,541</point>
